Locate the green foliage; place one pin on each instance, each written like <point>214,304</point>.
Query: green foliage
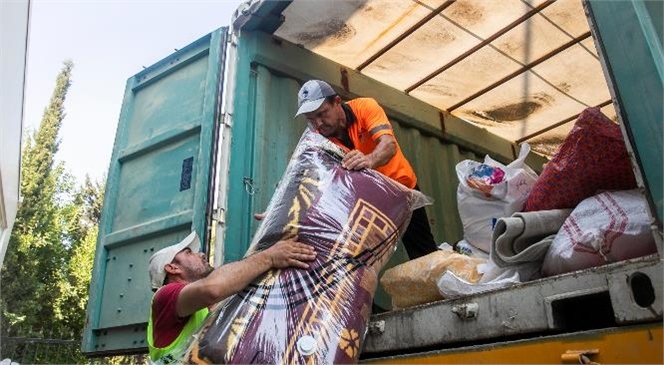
<point>46,272</point>
<point>69,308</point>
<point>84,214</point>
<point>35,255</point>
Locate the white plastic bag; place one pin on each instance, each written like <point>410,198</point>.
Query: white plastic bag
<point>490,190</point>
<point>494,277</point>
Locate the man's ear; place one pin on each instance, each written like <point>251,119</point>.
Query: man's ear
<point>172,269</point>
<point>337,99</point>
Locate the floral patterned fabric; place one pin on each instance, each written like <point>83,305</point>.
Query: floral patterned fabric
<point>293,316</point>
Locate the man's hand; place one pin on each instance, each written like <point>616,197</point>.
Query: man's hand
<point>386,148</point>
<point>289,253</point>
<point>229,279</point>
<point>259,216</point>
<point>356,160</point>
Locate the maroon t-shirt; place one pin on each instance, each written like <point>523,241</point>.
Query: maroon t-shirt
<point>165,321</point>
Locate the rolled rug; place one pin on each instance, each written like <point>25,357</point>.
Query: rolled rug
<point>293,316</point>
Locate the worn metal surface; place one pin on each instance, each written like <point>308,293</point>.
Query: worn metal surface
<point>640,344</point>
<point>574,301</point>
<point>158,187</point>
<point>264,136</point>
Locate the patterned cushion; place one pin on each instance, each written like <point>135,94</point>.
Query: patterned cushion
<point>353,220</point>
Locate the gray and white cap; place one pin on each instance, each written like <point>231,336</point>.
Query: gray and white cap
<point>164,256</point>
<point>312,94</point>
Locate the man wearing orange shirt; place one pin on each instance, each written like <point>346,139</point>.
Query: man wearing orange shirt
<point>360,126</point>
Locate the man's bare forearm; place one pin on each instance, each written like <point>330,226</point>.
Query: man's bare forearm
<point>223,282</point>
<point>229,279</point>
<point>385,150</point>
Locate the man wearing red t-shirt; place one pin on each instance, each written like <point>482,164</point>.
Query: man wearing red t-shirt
<point>186,285</point>
<point>360,126</point>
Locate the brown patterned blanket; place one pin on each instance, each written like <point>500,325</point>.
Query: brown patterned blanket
<point>319,315</point>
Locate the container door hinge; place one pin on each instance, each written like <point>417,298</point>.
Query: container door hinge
<point>227,120</point>
<point>219,215</point>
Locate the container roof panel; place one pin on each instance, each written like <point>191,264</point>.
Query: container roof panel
<point>521,107</point>
<point>577,74</point>
<point>520,69</point>
<point>433,45</point>
<point>502,59</point>
<point>349,32</point>
<point>467,77</point>
<point>538,36</point>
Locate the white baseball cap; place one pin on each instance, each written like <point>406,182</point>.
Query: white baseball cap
<point>166,255</point>
<point>312,95</point>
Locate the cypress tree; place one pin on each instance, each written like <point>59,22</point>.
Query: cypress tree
<point>36,252</point>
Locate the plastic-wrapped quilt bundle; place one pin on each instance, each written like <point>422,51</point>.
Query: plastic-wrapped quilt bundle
<point>319,315</point>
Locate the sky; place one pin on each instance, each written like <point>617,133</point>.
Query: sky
<point>108,41</point>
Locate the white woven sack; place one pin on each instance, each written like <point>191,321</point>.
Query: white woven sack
<point>605,228</point>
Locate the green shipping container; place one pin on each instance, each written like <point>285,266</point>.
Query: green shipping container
<point>459,80</point>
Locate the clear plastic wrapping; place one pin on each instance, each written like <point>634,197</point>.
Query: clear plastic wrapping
<point>319,315</point>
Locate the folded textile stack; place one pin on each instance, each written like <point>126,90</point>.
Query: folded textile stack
<point>525,236</point>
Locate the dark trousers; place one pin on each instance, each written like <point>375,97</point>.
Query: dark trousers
<point>418,239</point>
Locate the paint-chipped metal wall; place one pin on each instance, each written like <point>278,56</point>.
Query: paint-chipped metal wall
<point>434,163</point>
<point>264,136</point>
<point>276,132</point>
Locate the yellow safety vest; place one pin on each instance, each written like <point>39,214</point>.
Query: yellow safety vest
<point>167,354</point>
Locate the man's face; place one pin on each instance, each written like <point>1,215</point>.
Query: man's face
<point>329,119</point>
<point>194,265</point>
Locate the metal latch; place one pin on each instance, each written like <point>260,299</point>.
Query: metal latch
<point>249,185</point>
<point>578,356</point>
<point>377,327</point>
<point>466,311</point>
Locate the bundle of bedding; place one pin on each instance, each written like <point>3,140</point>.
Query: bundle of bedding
<point>353,220</point>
